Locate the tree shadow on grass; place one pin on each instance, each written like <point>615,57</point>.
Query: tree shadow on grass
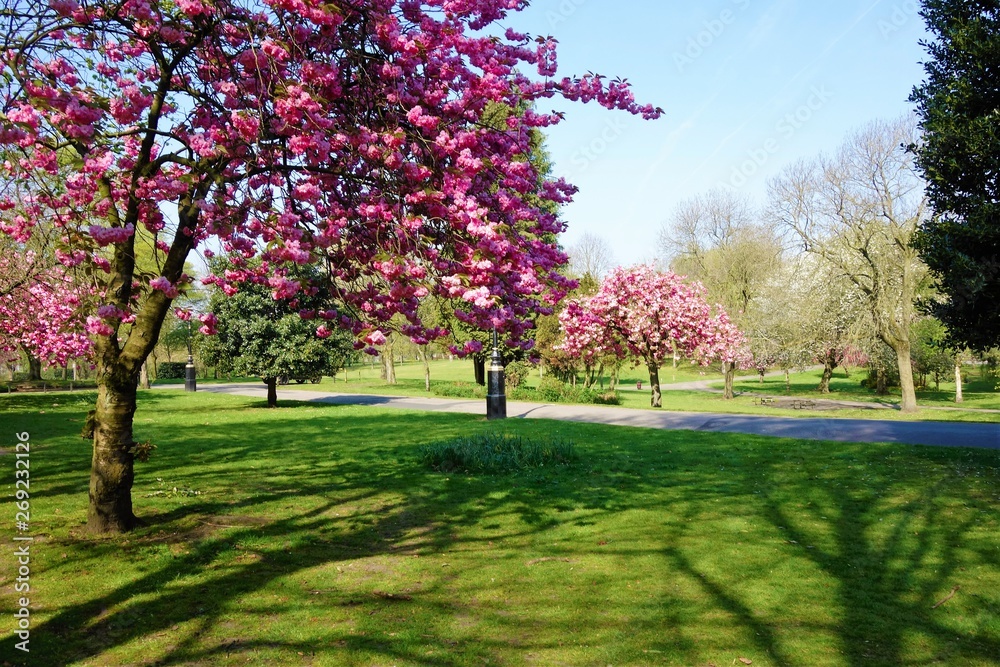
<point>270,517</point>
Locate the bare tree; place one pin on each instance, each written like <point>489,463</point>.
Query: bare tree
<point>858,210</point>
<point>591,256</point>
<point>718,239</point>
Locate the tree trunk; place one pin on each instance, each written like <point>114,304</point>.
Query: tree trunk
<point>958,383</point>
<point>656,398</point>
<point>144,376</point>
<point>272,392</point>
<point>427,368</point>
<point>829,363</point>
<point>479,365</point>
<point>389,366</point>
<point>881,382</point>
<point>112,468</point>
<point>909,398</point>
<point>788,381</point>
<point>34,368</point>
<point>730,371</point>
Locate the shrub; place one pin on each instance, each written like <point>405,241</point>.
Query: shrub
<point>170,370</point>
<point>522,394</point>
<point>608,398</point>
<point>553,390</point>
<point>495,452</point>
<point>516,373</point>
<point>550,389</point>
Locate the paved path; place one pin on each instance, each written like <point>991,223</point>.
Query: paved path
<point>947,434</point>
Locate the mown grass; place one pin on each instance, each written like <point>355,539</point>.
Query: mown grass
<point>311,535</point>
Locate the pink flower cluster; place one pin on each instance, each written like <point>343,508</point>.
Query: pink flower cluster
<point>42,315</point>
<point>643,314</point>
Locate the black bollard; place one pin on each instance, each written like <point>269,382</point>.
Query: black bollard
<point>190,379</point>
<point>496,396</point>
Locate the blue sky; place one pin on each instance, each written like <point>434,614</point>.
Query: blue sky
<point>748,86</point>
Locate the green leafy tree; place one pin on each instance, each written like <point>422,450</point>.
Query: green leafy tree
<point>931,356</point>
<point>260,336</point>
<point>959,156</point>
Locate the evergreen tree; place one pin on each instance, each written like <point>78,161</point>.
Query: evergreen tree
<point>960,159</point>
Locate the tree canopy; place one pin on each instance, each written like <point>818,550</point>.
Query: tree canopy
<point>959,155</point>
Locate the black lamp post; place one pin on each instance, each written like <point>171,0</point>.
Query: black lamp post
<point>190,379</point>
<point>496,397</point>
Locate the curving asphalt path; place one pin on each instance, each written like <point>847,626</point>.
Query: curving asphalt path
<point>944,434</point>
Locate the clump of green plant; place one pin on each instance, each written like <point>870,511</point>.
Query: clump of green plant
<point>495,452</point>
<point>516,373</point>
<point>460,390</point>
<point>553,390</point>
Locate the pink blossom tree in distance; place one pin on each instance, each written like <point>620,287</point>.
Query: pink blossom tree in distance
<point>645,314</point>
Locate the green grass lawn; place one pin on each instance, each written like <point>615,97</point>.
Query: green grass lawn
<point>310,535</point>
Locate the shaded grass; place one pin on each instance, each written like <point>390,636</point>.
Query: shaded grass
<point>316,538</point>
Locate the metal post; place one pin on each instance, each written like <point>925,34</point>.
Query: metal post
<point>190,379</point>
<point>496,397</point>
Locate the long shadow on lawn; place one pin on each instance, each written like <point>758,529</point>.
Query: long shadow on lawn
<point>891,575</point>
<point>886,582</point>
<point>162,600</point>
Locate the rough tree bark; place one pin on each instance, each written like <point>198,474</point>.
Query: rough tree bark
<point>34,368</point>
<point>112,467</point>
<point>958,383</point>
<point>729,369</point>
<point>656,398</point>
<point>829,364</point>
<point>908,402</point>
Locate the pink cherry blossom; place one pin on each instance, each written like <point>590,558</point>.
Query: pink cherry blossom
<point>644,314</point>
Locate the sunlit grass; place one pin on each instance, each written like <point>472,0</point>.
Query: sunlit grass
<point>312,535</point>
